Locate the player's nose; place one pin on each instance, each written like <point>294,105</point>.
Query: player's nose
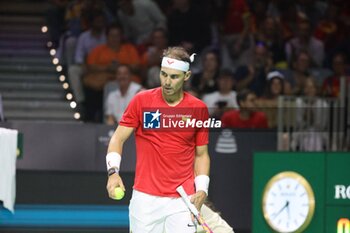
<point>167,82</point>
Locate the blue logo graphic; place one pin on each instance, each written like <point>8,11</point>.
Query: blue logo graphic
<point>151,120</point>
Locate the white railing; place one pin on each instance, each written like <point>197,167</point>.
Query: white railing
<point>314,124</point>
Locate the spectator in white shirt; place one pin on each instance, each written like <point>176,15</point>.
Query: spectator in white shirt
<point>304,41</point>
<point>225,98</point>
<point>118,100</point>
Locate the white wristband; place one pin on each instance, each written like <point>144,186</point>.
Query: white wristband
<point>113,159</point>
<point>202,183</point>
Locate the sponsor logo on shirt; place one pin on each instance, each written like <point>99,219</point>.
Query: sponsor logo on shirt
<point>151,120</point>
<point>169,120</point>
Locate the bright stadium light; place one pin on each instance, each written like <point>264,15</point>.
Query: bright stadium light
<point>52,52</point>
<point>62,78</point>
<point>43,29</point>
<point>58,68</point>
<point>55,61</point>
<point>73,104</point>
<point>65,85</point>
<point>77,115</point>
<point>69,96</point>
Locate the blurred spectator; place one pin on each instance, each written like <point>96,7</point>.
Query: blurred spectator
<point>268,103</point>
<point>87,41</point>
<point>313,10</point>
<point>237,48</point>
<point>151,58</point>
<point>206,81</point>
<point>304,41</point>
<point>332,31</point>
<point>253,74</point>
<point>269,33</point>
<point>91,38</point>
<point>79,17</point>
<point>139,18</point>
<point>73,27</point>
<point>74,17</point>
<point>289,18</point>
<point>118,100</point>
<point>273,9</point>
<point>55,20</point>
<point>344,23</point>
<point>188,26</point>
<point>311,120</point>
<point>327,27</point>
<point>101,65</point>
<point>259,13</point>
<point>235,14</point>
<point>224,98</point>
<point>331,85</point>
<point>247,116</point>
<point>300,70</point>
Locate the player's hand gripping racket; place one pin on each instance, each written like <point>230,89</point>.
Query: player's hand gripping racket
<point>193,209</point>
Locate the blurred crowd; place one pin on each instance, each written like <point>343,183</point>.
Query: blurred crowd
<point>249,52</point>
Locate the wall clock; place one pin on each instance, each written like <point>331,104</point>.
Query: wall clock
<point>288,202</point>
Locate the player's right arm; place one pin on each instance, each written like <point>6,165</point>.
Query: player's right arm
<point>116,143</point>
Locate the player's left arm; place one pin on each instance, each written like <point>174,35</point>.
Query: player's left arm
<point>201,169</point>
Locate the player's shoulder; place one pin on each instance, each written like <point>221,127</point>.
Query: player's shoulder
<point>194,101</point>
<point>146,93</point>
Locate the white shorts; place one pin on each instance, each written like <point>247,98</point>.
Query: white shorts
<point>154,214</point>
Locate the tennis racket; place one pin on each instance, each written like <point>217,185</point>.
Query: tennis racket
<point>193,209</point>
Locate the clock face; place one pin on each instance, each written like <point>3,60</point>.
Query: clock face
<point>288,202</point>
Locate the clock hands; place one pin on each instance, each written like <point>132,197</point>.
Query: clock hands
<point>286,206</point>
<point>288,210</point>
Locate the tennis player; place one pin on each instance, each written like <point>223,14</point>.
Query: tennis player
<point>169,151</point>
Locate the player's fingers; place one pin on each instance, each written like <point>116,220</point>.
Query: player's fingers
<point>198,199</point>
<point>193,198</point>
<point>110,192</point>
<point>121,185</point>
<point>111,185</point>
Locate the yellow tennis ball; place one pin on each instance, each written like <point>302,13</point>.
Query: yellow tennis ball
<point>118,193</point>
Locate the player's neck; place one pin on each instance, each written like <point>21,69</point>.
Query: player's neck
<point>173,100</point>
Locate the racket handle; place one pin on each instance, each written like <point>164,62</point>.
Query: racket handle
<point>193,209</point>
<point>187,201</point>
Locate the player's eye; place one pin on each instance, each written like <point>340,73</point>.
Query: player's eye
<point>174,76</point>
<point>162,73</point>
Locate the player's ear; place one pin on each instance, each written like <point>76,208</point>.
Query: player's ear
<point>187,75</point>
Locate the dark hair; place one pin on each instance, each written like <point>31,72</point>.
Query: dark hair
<point>242,95</point>
<point>124,65</point>
<point>212,51</point>
<point>177,53</point>
<point>342,55</point>
<point>314,83</point>
<point>114,26</point>
<point>296,55</point>
<point>162,30</point>
<point>268,93</point>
